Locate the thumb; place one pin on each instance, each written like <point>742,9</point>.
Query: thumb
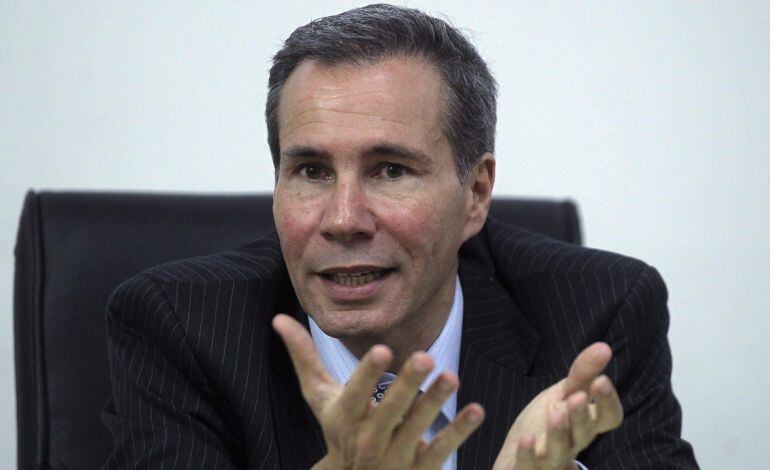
<point>586,366</point>
<point>312,375</point>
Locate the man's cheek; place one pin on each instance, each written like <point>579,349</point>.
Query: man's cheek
<point>408,216</point>
<point>292,226</point>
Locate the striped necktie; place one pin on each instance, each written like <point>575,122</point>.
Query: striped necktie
<point>379,390</point>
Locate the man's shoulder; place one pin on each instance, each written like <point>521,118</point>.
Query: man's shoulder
<point>259,261</point>
<point>540,269</point>
<point>561,287</point>
<point>520,253</point>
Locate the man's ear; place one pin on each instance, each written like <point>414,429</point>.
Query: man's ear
<point>481,180</point>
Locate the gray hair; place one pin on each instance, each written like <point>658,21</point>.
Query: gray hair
<point>373,33</point>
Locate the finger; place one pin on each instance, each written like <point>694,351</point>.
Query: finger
<point>422,445</point>
<point>607,411</point>
<point>400,395</point>
<point>423,413</point>
<point>310,370</point>
<point>357,396</point>
<point>450,438</point>
<point>581,426</point>
<point>587,365</point>
<point>557,447</point>
<point>375,432</point>
<point>525,454</point>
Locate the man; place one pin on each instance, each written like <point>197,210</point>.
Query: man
<point>381,125</point>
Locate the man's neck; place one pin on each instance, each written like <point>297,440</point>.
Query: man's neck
<point>403,343</point>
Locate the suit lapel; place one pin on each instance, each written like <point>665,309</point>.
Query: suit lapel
<point>498,348</point>
<point>493,323</point>
<point>299,435</point>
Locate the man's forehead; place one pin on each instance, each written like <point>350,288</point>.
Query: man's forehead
<point>397,94</point>
<point>381,83</point>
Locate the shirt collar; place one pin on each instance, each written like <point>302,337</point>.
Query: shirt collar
<point>445,351</point>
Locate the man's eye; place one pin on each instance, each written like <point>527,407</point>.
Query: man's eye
<point>314,172</point>
<point>392,171</point>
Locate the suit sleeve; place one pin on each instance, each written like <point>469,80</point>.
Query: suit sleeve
<point>163,413</point>
<point>650,435</point>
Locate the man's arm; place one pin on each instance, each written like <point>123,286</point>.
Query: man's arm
<point>560,421</point>
<point>650,436</point>
<point>162,413</point>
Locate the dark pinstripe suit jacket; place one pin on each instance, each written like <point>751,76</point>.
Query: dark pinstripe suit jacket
<point>201,381</point>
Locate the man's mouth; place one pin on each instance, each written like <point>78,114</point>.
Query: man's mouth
<point>356,279</point>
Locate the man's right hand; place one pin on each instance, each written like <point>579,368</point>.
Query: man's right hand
<point>360,434</point>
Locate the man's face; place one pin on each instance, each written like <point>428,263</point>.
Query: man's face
<point>368,206</point>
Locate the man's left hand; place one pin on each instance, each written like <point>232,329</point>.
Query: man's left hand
<point>562,420</point>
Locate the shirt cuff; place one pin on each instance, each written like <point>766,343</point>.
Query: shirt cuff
<point>581,466</point>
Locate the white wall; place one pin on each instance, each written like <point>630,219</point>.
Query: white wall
<point>654,115</point>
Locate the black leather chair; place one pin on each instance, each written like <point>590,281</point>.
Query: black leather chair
<point>72,251</point>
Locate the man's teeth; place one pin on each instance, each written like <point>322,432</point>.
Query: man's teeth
<point>357,279</point>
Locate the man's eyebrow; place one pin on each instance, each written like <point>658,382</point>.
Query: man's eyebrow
<point>397,150</point>
<point>377,150</point>
<point>302,151</point>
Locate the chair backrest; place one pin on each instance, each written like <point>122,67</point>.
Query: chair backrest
<point>73,249</point>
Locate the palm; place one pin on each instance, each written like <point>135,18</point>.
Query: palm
<point>560,422</point>
<point>533,418</point>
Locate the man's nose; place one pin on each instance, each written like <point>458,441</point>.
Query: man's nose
<point>347,215</point>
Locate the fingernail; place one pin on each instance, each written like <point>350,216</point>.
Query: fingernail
<point>421,364</point>
<point>474,416</point>
<point>379,356</point>
<point>444,386</point>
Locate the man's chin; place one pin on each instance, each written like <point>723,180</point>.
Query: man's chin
<point>344,324</point>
